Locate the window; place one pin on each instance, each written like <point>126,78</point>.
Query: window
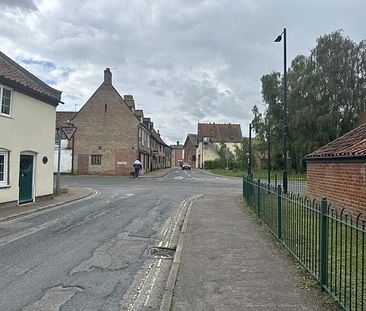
<point>5,95</point>
<point>3,168</point>
<point>96,159</point>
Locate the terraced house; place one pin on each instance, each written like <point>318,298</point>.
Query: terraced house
<point>27,123</point>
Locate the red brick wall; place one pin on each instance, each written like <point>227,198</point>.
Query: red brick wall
<point>177,154</point>
<point>343,184</point>
<point>107,127</point>
<point>189,153</point>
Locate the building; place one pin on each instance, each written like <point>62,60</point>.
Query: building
<point>111,134</point>
<point>161,152</point>
<point>27,134</point>
<point>177,154</point>
<point>337,171</point>
<point>190,149</point>
<point>63,118</point>
<point>210,137</point>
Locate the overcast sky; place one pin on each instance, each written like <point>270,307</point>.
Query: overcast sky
<point>184,61</point>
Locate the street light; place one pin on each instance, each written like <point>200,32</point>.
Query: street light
<point>250,152</point>
<point>285,127</point>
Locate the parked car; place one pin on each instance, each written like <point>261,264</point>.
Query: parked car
<point>186,166</point>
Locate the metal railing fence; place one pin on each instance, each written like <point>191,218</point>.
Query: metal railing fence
<point>329,243</point>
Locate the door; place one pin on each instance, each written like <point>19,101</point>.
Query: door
<point>26,178</point>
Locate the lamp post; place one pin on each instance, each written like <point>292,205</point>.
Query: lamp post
<point>59,137</point>
<point>250,152</point>
<point>285,127</point>
<point>269,152</point>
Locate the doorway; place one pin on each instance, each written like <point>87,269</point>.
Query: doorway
<point>26,178</point>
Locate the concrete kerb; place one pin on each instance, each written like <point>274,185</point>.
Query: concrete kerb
<point>169,287</point>
<point>35,210</point>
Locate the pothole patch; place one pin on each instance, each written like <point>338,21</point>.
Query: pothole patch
<point>162,252</point>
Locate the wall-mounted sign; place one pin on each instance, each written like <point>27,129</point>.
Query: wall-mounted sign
<point>121,162</point>
<point>44,160</point>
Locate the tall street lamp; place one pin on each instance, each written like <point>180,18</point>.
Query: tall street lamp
<point>285,127</point>
<point>250,152</point>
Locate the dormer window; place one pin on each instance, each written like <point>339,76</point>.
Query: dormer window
<point>5,96</point>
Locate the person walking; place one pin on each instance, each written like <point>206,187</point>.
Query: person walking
<point>137,166</point>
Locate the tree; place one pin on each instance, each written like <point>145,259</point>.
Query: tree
<point>326,94</point>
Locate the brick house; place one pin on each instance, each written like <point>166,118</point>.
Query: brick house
<point>161,152</point>
<point>27,128</point>
<point>177,154</point>
<point>337,171</point>
<point>209,139</point>
<point>110,134</point>
<point>190,149</point>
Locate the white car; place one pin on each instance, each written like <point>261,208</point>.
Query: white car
<point>186,166</point>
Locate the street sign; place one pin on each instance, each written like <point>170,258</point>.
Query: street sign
<point>69,131</point>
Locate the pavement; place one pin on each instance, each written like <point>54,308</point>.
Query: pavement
<point>226,261</point>
<point>223,261</point>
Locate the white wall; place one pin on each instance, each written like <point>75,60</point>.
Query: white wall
<point>65,158</point>
<point>31,128</point>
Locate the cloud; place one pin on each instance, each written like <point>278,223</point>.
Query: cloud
<point>19,4</point>
<point>183,60</point>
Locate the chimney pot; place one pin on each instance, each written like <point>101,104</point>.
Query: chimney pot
<point>107,76</point>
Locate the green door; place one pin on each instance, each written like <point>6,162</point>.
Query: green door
<point>26,179</point>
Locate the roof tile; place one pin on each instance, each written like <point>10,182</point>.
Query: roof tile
<point>351,144</point>
<point>11,71</point>
<point>229,133</point>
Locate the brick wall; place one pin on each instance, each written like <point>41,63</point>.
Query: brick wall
<point>177,154</point>
<point>190,153</point>
<point>106,127</point>
<point>342,183</point>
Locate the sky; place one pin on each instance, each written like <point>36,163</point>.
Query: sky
<point>184,61</point>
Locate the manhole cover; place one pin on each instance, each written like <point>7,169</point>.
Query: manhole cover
<point>162,252</point>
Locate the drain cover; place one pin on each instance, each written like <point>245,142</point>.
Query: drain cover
<point>162,252</point>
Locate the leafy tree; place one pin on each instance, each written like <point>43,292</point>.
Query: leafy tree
<point>326,94</point>
<point>224,152</point>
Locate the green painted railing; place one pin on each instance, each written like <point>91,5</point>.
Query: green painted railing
<point>329,243</point>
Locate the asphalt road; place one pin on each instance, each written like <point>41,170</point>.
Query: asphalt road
<point>109,252</point>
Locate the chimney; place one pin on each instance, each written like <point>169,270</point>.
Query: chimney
<point>107,76</point>
<point>129,101</point>
<point>177,142</point>
<point>151,125</point>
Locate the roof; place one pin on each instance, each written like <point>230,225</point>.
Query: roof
<point>350,145</point>
<point>17,77</point>
<point>192,138</point>
<point>63,116</point>
<point>228,133</point>
<point>157,137</point>
<point>176,146</point>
